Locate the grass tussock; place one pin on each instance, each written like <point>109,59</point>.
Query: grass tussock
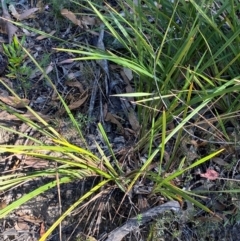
<point>184,61</point>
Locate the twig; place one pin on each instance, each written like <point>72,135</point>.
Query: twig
<point>134,223</point>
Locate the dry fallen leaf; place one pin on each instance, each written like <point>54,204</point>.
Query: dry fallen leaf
<point>25,15</point>
<point>86,20</point>
<point>4,115</point>
<point>210,174</point>
<point>71,16</point>
<point>126,77</point>
<point>11,29</point>
<point>19,226</point>
<point>48,70</point>
<point>42,229</point>
<point>14,11</point>
<point>75,84</point>
<point>113,118</point>
<point>3,204</point>
<point>36,162</point>
<point>22,216</point>
<point>133,121</point>
<point>128,73</point>
<point>28,14</point>
<point>41,37</point>
<point>67,61</point>
<point>14,102</point>
<point>79,102</point>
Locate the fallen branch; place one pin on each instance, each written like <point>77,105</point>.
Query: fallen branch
<point>134,223</point>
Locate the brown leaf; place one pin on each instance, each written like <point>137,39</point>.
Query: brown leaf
<point>79,102</point>
<point>21,226</point>
<point>48,70</point>
<point>113,118</point>
<point>11,29</point>
<point>27,14</point>
<point>22,216</point>
<point>41,37</point>
<point>86,20</point>
<point>133,120</point>
<point>42,229</point>
<point>128,88</point>
<point>4,115</point>
<point>14,102</point>
<point>3,204</point>
<point>67,61</point>
<point>75,84</point>
<point>71,16</point>
<point>14,11</point>
<point>36,162</point>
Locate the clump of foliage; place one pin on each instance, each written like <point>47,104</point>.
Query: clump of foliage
<point>17,68</point>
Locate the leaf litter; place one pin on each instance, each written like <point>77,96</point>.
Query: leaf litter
<point>76,94</point>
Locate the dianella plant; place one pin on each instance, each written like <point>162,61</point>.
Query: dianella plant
<point>184,57</point>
